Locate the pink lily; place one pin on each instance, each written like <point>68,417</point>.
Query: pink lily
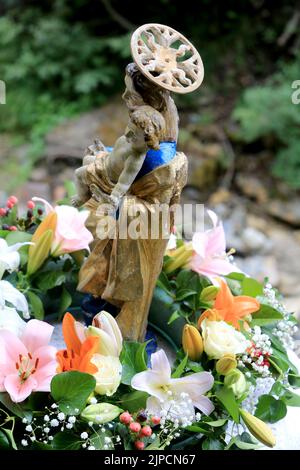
<point>164,390</point>
<point>70,233</point>
<point>28,363</point>
<point>209,258</point>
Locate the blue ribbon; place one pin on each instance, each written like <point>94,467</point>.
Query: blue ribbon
<point>156,158</point>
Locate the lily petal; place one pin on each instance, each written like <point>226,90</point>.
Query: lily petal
<point>36,334</point>
<point>17,390</point>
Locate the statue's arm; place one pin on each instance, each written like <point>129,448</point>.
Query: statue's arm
<point>132,166</point>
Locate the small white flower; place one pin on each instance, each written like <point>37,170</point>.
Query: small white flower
<point>69,425</point>
<point>46,430</point>
<point>91,448</point>
<point>50,438</point>
<point>28,428</point>
<point>46,418</point>
<point>54,423</point>
<point>72,419</point>
<point>93,401</point>
<point>24,420</point>
<point>84,435</point>
<point>24,442</point>
<point>32,438</point>
<point>61,416</point>
<point>53,406</point>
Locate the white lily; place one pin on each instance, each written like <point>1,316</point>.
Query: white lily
<point>166,392</point>
<point>8,293</point>
<point>11,320</point>
<point>9,256</point>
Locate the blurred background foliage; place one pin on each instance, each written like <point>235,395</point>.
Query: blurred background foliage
<point>60,58</point>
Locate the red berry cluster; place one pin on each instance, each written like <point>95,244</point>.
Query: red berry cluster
<point>22,223</point>
<point>4,212</point>
<point>139,431</point>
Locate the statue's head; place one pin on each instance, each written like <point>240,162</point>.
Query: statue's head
<point>145,128</point>
<point>141,91</point>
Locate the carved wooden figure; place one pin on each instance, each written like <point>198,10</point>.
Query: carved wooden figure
<point>142,171</point>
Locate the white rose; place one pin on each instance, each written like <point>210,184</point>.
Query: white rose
<point>109,373</point>
<point>220,338</point>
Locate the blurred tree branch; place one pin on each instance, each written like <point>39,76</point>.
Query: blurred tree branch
<point>115,15</point>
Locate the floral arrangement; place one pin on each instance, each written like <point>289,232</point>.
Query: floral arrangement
<point>231,377</point>
<point>40,256</point>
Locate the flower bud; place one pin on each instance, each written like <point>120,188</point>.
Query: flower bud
<point>49,223</point>
<point>39,251</point>
<point>210,314</point>
<point>258,429</point>
<point>101,413</point>
<point>226,364</point>
<point>235,380</point>
<point>209,293</point>
<point>179,258</point>
<point>192,342</point>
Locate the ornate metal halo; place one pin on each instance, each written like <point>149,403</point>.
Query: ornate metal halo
<point>167,58</point>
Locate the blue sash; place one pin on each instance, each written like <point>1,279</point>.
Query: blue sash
<point>155,158</point>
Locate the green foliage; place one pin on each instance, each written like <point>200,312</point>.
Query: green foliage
<point>133,358</point>
<point>53,69</point>
<point>270,409</point>
<point>70,390</point>
<point>267,112</point>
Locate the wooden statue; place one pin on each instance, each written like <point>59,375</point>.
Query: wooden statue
<point>143,170</point>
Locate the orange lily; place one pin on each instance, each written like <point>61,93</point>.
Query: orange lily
<point>232,308</point>
<point>78,355</point>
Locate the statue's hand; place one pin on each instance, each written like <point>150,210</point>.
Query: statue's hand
<point>76,201</point>
<point>111,203</point>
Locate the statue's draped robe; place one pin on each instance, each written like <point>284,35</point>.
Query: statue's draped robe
<point>124,271</point>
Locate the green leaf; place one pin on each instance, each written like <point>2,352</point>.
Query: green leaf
<point>236,276</point>
<point>4,233</point>
<point>281,360</point>
<point>269,409</point>
<point>277,389</point>
<point>164,282</point>
<point>18,409</point>
<point>18,237</point>
<point>10,436</point>
<point>49,280</point>
<point>187,279</point>
<point>70,390</point>
<point>196,428</point>
<point>251,287</point>
<point>65,302</point>
<point>182,294</point>
<point>216,424</point>
<point>175,315</point>
<point>101,413</point>
<point>66,441</point>
<point>180,369</point>
<point>212,444</point>
<point>36,305</point>
<point>265,315</point>
<point>134,401</point>
<point>4,441</point>
<point>155,445</point>
<point>290,398</point>
<point>133,359</point>
<point>226,397</point>
<point>98,440</point>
